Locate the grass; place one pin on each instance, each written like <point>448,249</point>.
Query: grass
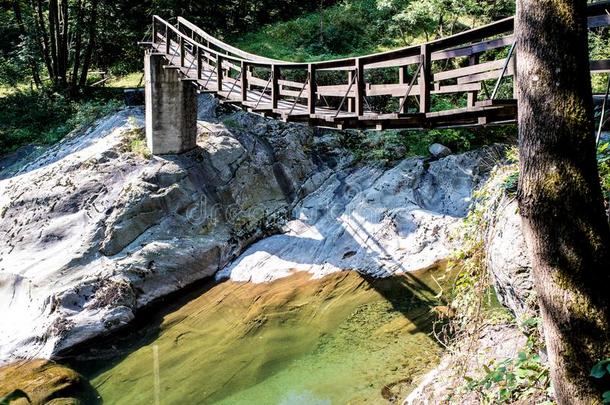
<point>30,116</point>
<point>131,80</point>
<point>38,117</point>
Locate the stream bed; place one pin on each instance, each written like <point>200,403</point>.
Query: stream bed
<point>341,339</point>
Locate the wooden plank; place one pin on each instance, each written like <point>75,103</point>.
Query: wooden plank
<point>290,83</point>
<point>293,93</point>
<point>494,74</point>
<point>311,89</point>
<point>219,73</point>
<point>244,81</point>
<point>474,48</point>
<point>403,76</point>
<point>255,81</point>
<point>275,86</point>
<point>359,86</point>
<point>424,79</point>
<point>469,70</point>
<point>409,60</point>
<point>599,21</point>
<point>496,102</point>
<point>600,66</point>
<point>473,95</point>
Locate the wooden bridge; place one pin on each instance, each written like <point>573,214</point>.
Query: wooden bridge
<point>462,80</point>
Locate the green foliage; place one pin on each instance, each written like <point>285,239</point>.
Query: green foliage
<point>603,163</point>
<point>510,183</point>
<point>391,145</point>
<point>42,118</point>
<point>601,370</point>
<point>351,28</point>
<point>134,141</point>
<point>515,379</point>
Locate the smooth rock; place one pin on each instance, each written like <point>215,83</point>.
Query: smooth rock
<point>91,232</point>
<point>377,221</point>
<point>41,382</point>
<point>508,260</point>
<point>439,151</point>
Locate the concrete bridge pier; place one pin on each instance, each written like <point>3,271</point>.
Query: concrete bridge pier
<point>171,108</point>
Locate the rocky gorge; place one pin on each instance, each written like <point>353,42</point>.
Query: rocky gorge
<point>93,231</point>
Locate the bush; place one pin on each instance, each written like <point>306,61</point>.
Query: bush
<point>37,117</point>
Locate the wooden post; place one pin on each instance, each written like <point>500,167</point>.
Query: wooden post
<point>351,106</point>
<point>244,81</point>
<point>250,74</point>
<point>219,72</point>
<point>181,51</point>
<point>359,85</point>
<point>154,31</point>
<point>275,87</point>
<point>424,80</point>
<point>514,66</point>
<point>472,95</point>
<point>167,40</point>
<point>312,96</point>
<point>199,66</point>
<point>402,79</point>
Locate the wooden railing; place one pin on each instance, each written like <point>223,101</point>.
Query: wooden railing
<point>472,68</point>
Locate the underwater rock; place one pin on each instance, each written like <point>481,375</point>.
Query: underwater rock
<point>39,382</point>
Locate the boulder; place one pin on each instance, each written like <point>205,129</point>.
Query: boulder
<point>508,260</point>
<point>439,151</point>
<point>39,382</point>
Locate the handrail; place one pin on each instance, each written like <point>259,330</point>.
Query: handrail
<point>224,45</point>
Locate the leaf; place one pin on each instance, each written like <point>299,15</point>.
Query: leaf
<point>606,397</point>
<point>599,370</point>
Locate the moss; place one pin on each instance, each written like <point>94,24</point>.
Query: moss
<point>44,381</point>
<point>134,141</point>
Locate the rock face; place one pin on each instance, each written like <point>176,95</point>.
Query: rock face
<point>378,222</point>
<point>91,231</point>
<point>509,262</point>
<point>494,344</point>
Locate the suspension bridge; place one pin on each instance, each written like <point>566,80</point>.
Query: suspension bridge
<point>472,72</point>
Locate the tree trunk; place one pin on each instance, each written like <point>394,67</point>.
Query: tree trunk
<point>559,195</point>
<point>43,37</point>
<point>53,37</point>
<point>26,36</point>
<point>90,45</point>
<point>77,47</point>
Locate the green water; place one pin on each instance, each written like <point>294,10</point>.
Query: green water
<point>341,339</point>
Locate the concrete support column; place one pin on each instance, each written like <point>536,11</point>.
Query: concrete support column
<point>171,108</point>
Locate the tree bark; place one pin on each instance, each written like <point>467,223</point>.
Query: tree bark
<point>53,34</point>
<point>559,194</point>
<point>24,33</point>
<point>91,44</point>
<point>43,37</point>
<point>77,46</point>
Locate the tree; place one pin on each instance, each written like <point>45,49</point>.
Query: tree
<point>61,33</point>
<point>559,194</point>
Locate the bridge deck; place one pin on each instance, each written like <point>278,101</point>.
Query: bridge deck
<point>463,69</point>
